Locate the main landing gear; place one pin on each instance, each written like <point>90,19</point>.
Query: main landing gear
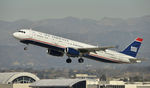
<point>68,60</point>
<point>80,60</point>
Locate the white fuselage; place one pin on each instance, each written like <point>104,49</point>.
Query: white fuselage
<point>52,40</point>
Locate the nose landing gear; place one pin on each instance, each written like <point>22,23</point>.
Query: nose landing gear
<point>25,48</point>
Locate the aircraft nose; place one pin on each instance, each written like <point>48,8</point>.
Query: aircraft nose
<point>15,35</point>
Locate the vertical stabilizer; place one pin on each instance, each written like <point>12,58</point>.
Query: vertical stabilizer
<point>133,48</point>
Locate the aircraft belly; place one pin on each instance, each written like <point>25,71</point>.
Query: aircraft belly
<point>100,59</point>
<point>103,57</point>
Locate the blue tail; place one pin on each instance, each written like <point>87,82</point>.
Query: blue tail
<point>133,48</point>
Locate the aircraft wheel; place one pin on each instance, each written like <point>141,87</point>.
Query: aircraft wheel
<point>68,60</point>
<point>80,60</point>
<point>25,48</point>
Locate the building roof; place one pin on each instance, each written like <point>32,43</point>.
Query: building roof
<point>8,77</point>
<point>56,82</point>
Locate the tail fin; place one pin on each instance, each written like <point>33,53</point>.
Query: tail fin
<point>133,48</point>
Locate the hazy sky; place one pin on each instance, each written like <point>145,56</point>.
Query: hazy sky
<point>11,10</point>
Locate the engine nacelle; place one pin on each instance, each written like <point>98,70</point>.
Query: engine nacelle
<point>54,52</point>
<point>72,52</point>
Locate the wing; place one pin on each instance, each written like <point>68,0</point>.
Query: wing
<point>94,49</point>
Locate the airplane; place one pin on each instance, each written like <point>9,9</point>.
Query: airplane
<point>59,46</point>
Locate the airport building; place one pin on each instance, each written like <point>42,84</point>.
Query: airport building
<point>29,80</point>
<point>94,82</point>
<point>59,83</point>
<point>121,84</point>
<point>17,79</point>
<point>91,79</point>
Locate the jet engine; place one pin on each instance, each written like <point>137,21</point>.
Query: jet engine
<point>72,52</point>
<point>54,52</point>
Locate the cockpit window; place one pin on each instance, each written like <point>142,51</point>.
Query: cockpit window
<point>22,31</point>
